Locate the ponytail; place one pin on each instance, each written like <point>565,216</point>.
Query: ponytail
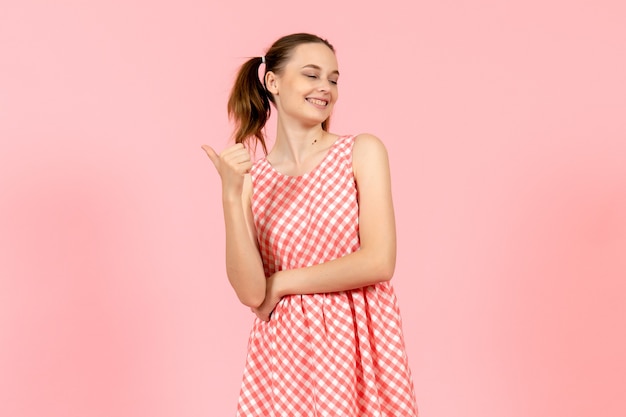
<point>249,105</point>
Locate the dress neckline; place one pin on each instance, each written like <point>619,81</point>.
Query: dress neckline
<point>317,167</point>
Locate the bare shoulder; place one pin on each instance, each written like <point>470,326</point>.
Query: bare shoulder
<point>369,151</point>
<point>368,140</point>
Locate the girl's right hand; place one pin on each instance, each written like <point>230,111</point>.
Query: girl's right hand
<point>232,164</point>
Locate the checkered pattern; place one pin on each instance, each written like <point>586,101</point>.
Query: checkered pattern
<point>338,354</point>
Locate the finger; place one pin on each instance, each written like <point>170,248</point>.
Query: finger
<point>235,149</point>
<point>239,162</point>
<point>245,167</point>
<point>211,154</point>
<point>235,146</point>
<point>238,155</point>
<point>261,314</point>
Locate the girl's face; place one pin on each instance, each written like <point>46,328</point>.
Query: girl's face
<point>306,89</point>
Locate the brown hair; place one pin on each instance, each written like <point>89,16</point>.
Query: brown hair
<point>249,101</point>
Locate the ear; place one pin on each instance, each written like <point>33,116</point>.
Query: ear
<point>271,82</point>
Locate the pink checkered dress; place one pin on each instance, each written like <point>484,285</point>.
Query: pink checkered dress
<point>336,354</point>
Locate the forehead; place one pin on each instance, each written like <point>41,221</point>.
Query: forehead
<point>313,54</point>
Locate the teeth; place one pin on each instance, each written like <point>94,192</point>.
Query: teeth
<point>318,102</point>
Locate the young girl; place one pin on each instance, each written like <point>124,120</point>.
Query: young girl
<point>311,246</point>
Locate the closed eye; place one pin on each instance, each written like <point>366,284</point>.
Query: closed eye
<point>313,76</point>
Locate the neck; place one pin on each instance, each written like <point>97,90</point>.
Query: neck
<point>296,142</point>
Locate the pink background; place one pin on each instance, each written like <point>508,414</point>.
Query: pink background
<point>505,123</point>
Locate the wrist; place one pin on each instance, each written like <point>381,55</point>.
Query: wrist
<point>278,283</point>
<point>229,198</point>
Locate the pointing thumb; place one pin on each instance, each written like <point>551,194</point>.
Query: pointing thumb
<point>213,156</point>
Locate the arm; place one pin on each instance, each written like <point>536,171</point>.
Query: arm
<point>375,261</point>
<point>243,261</point>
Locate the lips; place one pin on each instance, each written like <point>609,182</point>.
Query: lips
<point>318,102</point>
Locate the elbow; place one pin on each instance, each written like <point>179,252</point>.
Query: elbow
<point>388,265</point>
<point>251,297</point>
<point>251,300</point>
<point>250,293</point>
<point>386,273</point>
<point>380,261</point>
<point>384,268</point>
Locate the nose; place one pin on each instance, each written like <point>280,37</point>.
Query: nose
<point>324,85</point>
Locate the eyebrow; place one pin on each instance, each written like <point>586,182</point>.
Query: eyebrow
<point>317,67</point>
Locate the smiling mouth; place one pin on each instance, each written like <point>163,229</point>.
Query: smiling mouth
<point>317,102</point>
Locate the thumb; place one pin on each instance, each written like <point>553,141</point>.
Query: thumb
<point>213,156</point>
